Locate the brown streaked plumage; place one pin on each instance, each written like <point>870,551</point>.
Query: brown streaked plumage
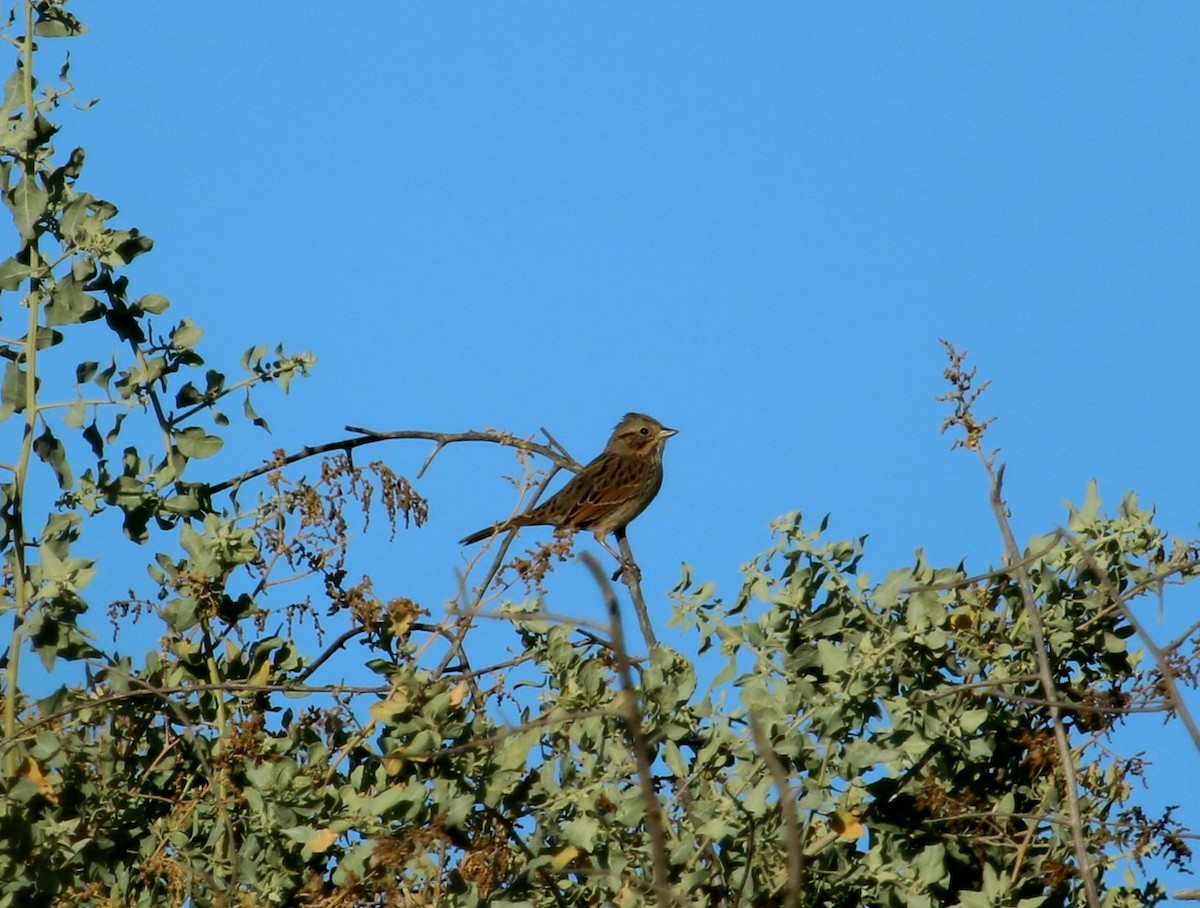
<point>609,492</point>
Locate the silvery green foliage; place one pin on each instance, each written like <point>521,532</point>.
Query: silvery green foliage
<point>857,741</point>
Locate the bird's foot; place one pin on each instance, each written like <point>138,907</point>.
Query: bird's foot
<point>628,570</point>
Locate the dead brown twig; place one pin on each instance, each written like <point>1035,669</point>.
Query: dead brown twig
<point>552,451</point>
<point>964,395</point>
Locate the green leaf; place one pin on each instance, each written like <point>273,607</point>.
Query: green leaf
<point>28,206</point>
<point>104,377</point>
<point>55,22</point>
<point>92,436</point>
<point>169,470</point>
<point>196,546</point>
<point>355,864</point>
<point>154,303</point>
<point>14,98</point>
<point>755,802</point>
<point>970,720</point>
<point>1113,643</point>
<point>187,335</point>
<point>195,442</point>
<point>44,338</point>
<point>84,371</point>
<point>129,245</point>
<point>833,659</point>
<point>12,390</point>
<point>1086,517</point>
<point>186,505</point>
<point>83,270</point>
<point>116,429</point>
<point>180,614</point>
<point>51,451</point>
<point>252,357</point>
<point>674,760</point>
<point>581,831</point>
<point>76,414</point>
<point>188,396</point>
<point>887,594</point>
<point>252,415</point>
<point>930,865</point>
<point>385,800</point>
<point>59,575</point>
<point>70,305</point>
<point>13,273</point>
<point>46,745</point>
<point>82,220</point>
<point>68,171</point>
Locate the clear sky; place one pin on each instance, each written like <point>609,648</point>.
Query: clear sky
<point>751,221</point>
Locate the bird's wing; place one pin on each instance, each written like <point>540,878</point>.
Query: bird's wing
<point>603,487</point>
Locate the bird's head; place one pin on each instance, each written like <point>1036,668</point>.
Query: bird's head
<point>640,435</point>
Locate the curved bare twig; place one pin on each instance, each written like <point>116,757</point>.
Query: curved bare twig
<point>370,436</point>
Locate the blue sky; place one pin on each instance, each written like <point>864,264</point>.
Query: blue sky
<point>753,222</point>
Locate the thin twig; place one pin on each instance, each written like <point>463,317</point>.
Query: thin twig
<point>983,688</point>
<point>514,836</point>
<point>787,805</point>
<point>631,710</point>
<point>501,734</point>
<point>368,436</point>
<point>920,699</point>
<point>343,638</point>
<point>1038,631</point>
<point>1166,672</point>
<point>539,615</point>
<point>633,579</point>
<point>993,574</point>
<point>1182,638</point>
<point>466,616</point>
<point>560,448</point>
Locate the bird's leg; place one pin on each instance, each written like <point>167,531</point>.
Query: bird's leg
<point>627,564</point>
<point>608,548</point>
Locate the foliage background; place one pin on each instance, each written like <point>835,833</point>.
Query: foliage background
<point>753,227</point>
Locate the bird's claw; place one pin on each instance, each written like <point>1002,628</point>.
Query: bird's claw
<point>634,574</point>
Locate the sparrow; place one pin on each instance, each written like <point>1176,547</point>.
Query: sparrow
<point>609,492</point>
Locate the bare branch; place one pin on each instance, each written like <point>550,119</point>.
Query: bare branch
<point>633,579</point>
<point>1037,630</point>
<point>787,805</point>
<point>369,436</point>
<point>964,395</point>
<point>631,710</point>
<point>1166,672</point>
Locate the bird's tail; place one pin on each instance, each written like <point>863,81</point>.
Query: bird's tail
<point>485,533</point>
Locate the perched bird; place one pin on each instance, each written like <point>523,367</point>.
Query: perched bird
<point>609,492</point>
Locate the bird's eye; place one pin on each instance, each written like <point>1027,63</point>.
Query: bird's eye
<point>644,430</point>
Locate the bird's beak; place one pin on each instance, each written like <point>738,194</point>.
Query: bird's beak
<point>664,432</point>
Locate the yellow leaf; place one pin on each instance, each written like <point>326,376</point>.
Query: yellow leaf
<point>565,857</point>
<point>458,692</point>
<point>262,674</point>
<point>385,709</point>
<point>402,613</point>
<point>322,840</point>
<point>961,622</point>
<point>31,771</point>
<point>847,825</point>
